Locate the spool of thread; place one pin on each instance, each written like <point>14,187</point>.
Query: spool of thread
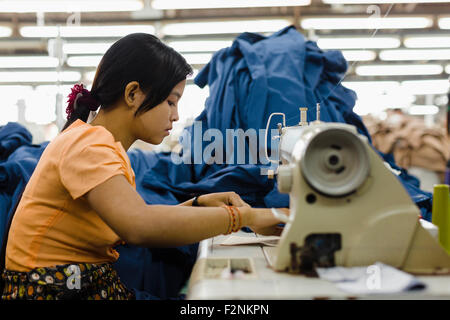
<point>441,214</point>
<point>303,117</point>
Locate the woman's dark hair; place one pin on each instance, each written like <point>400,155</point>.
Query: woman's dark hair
<point>137,57</point>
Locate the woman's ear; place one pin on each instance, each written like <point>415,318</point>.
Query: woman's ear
<point>133,95</point>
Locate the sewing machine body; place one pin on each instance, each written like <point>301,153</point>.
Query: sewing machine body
<point>377,221</point>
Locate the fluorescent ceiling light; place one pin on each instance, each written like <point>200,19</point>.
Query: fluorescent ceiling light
<point>372,87</point>
<point>377,103</point>
<point>84,31</point>
<point>28,62</point>
<point>359,55</point>
<point>23,6</point>
<point>380,1</point>
<point>5,31</point>
<point>89,76</point>
<point>444,23</point>
<point>427,41</point>
<point>411,54</point>
<point>223,27</point>
<point>84,61</point>
<point>14,90</point>
<point>86,47</point>
<point>65,90</point>
<point>419,87</point>
<point>41,76</point>
<point>359,43</point>
<point>447,68</point>
<point>366,23</point>
<point>93,61</point>
<point>199,45</point>
<point>209,4</point>
<point>399,70</point>
<point>377,96</point>
<point>197,58</point>
<point>423,109</point>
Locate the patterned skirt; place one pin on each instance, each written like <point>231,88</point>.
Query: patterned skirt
<point>81,281</point>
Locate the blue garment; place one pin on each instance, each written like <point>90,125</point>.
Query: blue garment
<point>260,75</point>
<point>12,136</point>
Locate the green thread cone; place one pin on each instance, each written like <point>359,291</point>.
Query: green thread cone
<point>441,214</point>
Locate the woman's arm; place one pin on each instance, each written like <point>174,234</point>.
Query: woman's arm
<point>124,210</point>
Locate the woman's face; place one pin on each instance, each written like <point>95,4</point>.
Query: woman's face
<point>154,125</point>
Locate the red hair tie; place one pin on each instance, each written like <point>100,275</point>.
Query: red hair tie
<point>80,94</point>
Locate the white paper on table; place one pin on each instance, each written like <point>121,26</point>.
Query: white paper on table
<point>378,278</point>
<point>238,240</point>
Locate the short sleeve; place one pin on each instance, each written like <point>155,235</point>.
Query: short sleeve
<point>83,168</point>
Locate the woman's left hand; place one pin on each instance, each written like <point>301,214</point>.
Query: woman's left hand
<point>220,199</point>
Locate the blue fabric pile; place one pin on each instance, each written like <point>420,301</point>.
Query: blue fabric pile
<point>248,81</point>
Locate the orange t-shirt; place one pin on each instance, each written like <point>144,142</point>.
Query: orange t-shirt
<point>54,223</point>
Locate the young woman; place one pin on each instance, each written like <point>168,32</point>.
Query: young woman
<point>81,200</point>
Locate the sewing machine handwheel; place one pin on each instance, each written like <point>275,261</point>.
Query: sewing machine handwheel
<point>336,162</point>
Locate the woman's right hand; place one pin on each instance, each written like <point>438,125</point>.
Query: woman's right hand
<point>262,221</point>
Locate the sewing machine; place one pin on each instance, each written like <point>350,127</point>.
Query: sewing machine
<point>347,208</point>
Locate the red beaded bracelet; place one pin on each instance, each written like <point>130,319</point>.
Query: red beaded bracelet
<point>232,220</point>
<point>239,226</point>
